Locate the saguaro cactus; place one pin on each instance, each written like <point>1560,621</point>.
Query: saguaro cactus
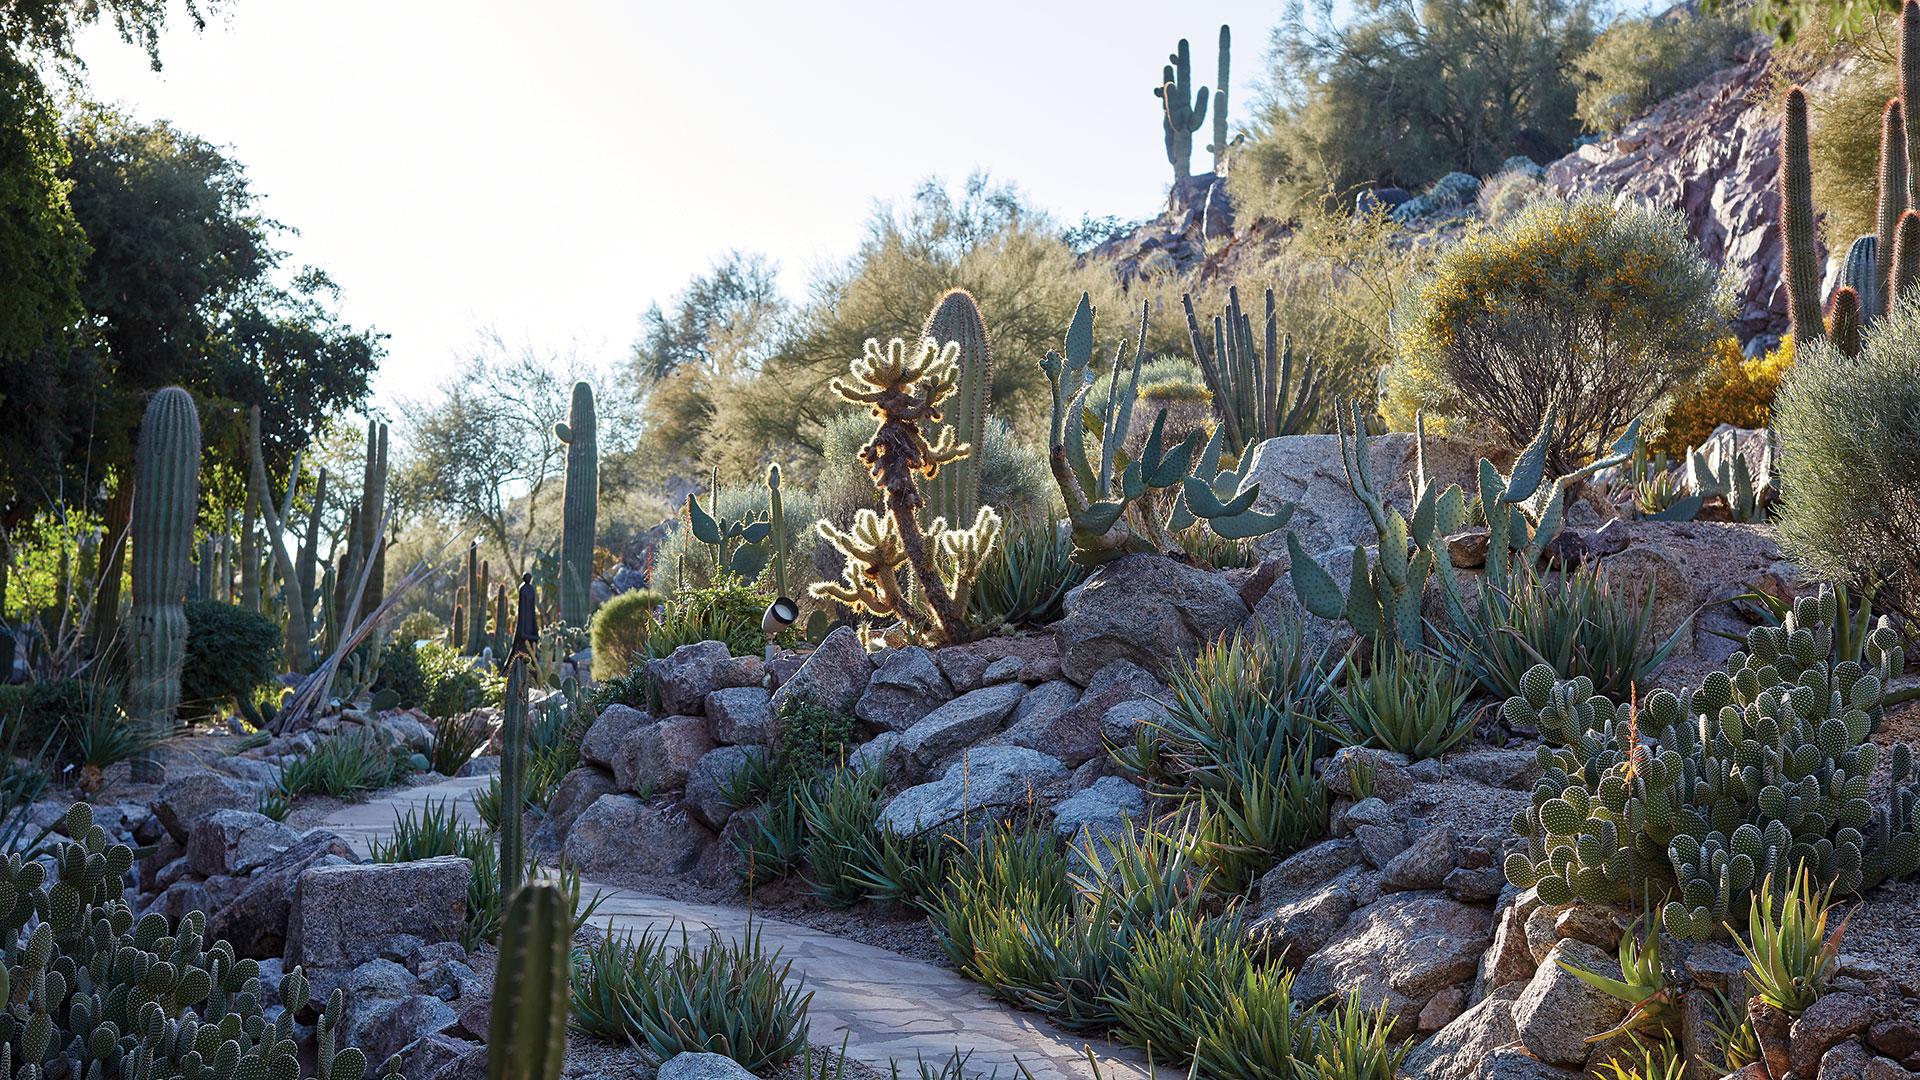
<point>1182,110</point>
<point>373,506</point>
<point>582,504</point>
<point>527,1028</point>
<point>513,767</point>
<point>1219,146</point>
<point>166,478</point>
<point>955,491</point>
<point>1799,246</point>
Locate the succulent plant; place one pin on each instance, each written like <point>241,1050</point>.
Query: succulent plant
<point>527,1027</point>
<point>954,493</point>
<point>1218,148</point>
<point>1860,272</point>
<point>580,506</point>
<point>1182,110</point>
<point>1256,399</point>
<point>296,570</point>
<point>1843,321</point>
<point>738,545</point>
<point>1703,795</point>
<point>1799,245</point>
<point>166,499</point>
<point>1129,506</point>
<point>1721,472</point>
<point>905,388</point>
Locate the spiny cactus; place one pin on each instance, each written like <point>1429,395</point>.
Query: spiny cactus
<point>582,503</point>
<point>1700,796</point>
<point>1129,506</point>
<point>1905,272</point>
<point>738,546</point>
<point>298,595</point>
<point>1799,247</point>
<point>1182,110</point>
<point>905,389</point>
<point>94,994</point>
<point>373,507</point>
<point>1908,66</point>
<point>502,628</point>
<point>1861,272</point>
<point>527,1024</point>
<point>1891,202</point>
<point>1720,470</point>
<point>777,531</point>
<point>1218,148</point>
<point>1254,393</point>
<point>954,493</point>
<point>513,773</point>
<point>166,498</point>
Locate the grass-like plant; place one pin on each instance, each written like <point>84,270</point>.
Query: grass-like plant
<point>1662,1060</point>
<point>1267,804</point>
<point>1577,623</point>
<point>1245,690</point>
<point>1407,702</point>
<point>1790,956</point>
<point>345,765</point>
<point>1356,1043</point>
<point>777,845</point>
<point>456,739</point>
<point>1733,1033</point>
<point>1178,980</point>
<point>1261,1031</point>
<point>1025,580</point>
<point>841,812</point>
<point>732,998</point>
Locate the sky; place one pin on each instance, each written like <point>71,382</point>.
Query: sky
<point>548,171</point>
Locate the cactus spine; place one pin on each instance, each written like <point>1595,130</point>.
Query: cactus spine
<point>582,503</point>
<point>1861,273</point>
<point>166,498</point>
<point>955,491</point>
<point>527,1028</point>
<point>1799,248</point>
<point>1256,398</point>
<point>1906,258</point>
<point>1219,146</point>
<point>1909,66</point>
<point>1182,110</point>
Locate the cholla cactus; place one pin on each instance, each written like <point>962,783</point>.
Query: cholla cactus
<point>904,388</point>
<point>1703,795</point>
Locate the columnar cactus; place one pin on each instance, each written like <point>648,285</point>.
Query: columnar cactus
<point>582,504</point>
<point>502,627</point>
<point>1254,393</point>
<point>1799,245</point>
<point>166,478</point>
<point>954,493</point>
<point>1861,272</point>
<point>1892,201</point>
<point>777,530</point>
<point>1905,272</point>
<point>373,508</point>
<point>527,1024</point>
<point>1182,110</point>
<point>477,626</point>
<point>1843,321</point>
<point>1218,148</point>
<point>1909,69</point>
<point>905,389</point>
<point>513,767</point>
<point>1701,796</point>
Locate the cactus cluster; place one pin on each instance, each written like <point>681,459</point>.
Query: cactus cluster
<point>1255,393</point>
<point>166,500</point>
<point>1702,795</point>
<point>742,546</point>
<point>905,388</point>
<point>1135,506</point>
<point>91,993</point>
<point>581,505</point>
<point>1720,472</point>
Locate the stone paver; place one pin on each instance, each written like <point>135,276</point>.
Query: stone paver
<point>886,1005</point>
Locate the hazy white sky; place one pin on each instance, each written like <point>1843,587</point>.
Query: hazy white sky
<point>549,170</point>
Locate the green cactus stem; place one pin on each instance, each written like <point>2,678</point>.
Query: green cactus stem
<point>777,531</point>
<point>1906,259</point>
<point>502,628</point>
<point>1182,111</point>
<point>298,593</point>
<point>1843,321</point>
<point>457,636</point>
<point>1799,245</point>
<point>1861,273</point>
<point>373,504</point>
<point>1218,148</point>
<point>1255,393</point>
<point>527,1024</point>
<point>1909,75</point>
<point>513,772</point>
<point>582,502</point>
<point>165,502</point>
<point>1891,202</point>
<point>472,599</point>
<point>477,626</point>
<point>954,493</point>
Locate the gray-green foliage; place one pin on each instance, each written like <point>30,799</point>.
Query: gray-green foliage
<point>1850,462</point>
<point>94,993</point>
<point>682,560</point>
<point>1702,795</point>
<point>1639,61</point>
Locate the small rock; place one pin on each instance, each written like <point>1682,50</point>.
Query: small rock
<point>1509,770</point>
<point>1475,886</point>
<point>904,689</point>
<point>1004,670</point>
<point>1512,1063</point>
<point>1599,927</point>
<point>738,671</point>
<point>1879,1068</point>
<point>741,715</point>
<point>1371,811</point>
<point>1380,843</point>
<point>877,753</point>
<point>389,1029</point>
<point>684,677</point>
<point>701,1067</point>
<point>1441,1011</point>
<point>1455,1051</point>
<point>1898,1039</point>
<point>1390,778</point>
<point>445,1057</point>
<point>1424,865</point>
<point>1847,1060</point>
<point>1109,806</point>
<point>834,676</point>
<point>236,842</point>
<point>608,733</point>
<point>1830,1020</point>
<point>1120,725</point>
<point>1398,953</point>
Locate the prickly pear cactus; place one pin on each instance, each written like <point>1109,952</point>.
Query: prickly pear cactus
<point>1701,796</point>
<point>91,993</point>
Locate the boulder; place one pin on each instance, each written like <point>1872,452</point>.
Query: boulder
<point>1424,865</point>
<point>446,1057</point>
<point>620,833</point>
<point>738,671</point>
<point>183,801</point>
<point>994,777</point>
<point>961,722</point>
<point>690,1066</point>
<point>236,842</point>
<point>255,921</point>
<point>576,791</point>
<point>1510,770</point>
<point>834,676</point>
<point>1075,734</point>
<point>684,677</point>
<point>1398,953</point>
<point>1391,778</point>
<point>609,732</point>
<point>1109,806</point>
<point>1299,926</point>
<point>1830,1020</point>
<point>705,798</point>
<point>1149,609</point>
<point>1368,811</point>
<point>1033,718</point>
<point>389,1027</point>
<point>1455,1051</point>
<point>904,689</point>
<point>741,715</point>
<point>1302,871</point>
<point>1557,1011</point>
<point>1514,1063</point>
<point>1306,470</point>
<point>1847,1060</point>
<point>1120,725</point>
<point>660,756</point>
<point>1380,844</point>
<point>342,914</point>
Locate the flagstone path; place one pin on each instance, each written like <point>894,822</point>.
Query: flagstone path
<point>887,1006</point>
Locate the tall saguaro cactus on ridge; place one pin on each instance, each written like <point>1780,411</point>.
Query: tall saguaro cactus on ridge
<point>1219,145</point>
<point>581,506</point>
<point>166,478</point>
<point>955,490</point>
<point>1182,110</point>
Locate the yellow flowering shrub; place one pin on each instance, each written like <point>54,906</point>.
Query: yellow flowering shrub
<point>1735,390</point>
<point>1596,311</point>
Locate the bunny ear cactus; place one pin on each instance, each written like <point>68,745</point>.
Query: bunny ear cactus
<point>166,477</point>
<point>737,546</point>
<point>1124,506</point>
<point>1182,110</point>
<point>1700,796</point>
<point>581,505</point>
<point>904,388</point>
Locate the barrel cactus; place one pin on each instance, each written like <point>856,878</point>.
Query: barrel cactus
<point>582,504</point>
<point>166,484</point>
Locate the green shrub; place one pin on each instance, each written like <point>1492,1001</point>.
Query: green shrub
<point>231,654</point>
<point>38,718</point>
<point>345,765</point>
<point>1638,62</point>
<point>1409,703</point>
<point>402,672</point>
<point>1596,311</point>
<point>728,612</point>
<point>1850,463</point>
<point>729,998</point>
<point>454,693</point>
<point>620,628</point>
<point>456,739</point>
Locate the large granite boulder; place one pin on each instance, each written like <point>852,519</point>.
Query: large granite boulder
<point>685,676</point>
<point>833,676</point>
<point>904,689</point>
<point>995,779</point>
<point>962,722</point>
<point>343,915</point>
<point>255,922</point>
<point>1399,952</point>
<point>1149,609</point>
<point>184,801</point>
<point>620,834</point>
